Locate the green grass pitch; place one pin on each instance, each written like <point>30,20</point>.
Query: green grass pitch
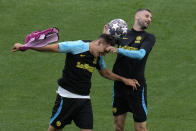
<point>28,80</point>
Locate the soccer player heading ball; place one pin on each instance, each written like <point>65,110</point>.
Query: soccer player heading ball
<point>133,51</point>
<point>117,28</point>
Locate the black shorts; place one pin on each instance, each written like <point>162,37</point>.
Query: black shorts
<point>127,100</point>
<point>67,109</point>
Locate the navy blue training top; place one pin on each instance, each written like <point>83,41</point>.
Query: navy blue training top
<point>79,66</point>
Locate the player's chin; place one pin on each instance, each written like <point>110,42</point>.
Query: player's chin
<point>144,27</point>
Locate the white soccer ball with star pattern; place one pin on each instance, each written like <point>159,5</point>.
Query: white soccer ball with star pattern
<point>117,28</point>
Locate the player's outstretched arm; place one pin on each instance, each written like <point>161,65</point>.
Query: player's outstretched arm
<point>47,48</point>
<point>112,76</point>
<point>136,54</point>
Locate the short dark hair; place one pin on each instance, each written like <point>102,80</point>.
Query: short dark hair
<point>143,10</point>
<point>109,39</point>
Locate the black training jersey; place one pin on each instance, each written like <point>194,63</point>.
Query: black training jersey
<point>129,67</point>
<point>79,66</point>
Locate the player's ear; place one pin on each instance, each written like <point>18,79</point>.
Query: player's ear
<point>105,29</point>
<point>137,16</point>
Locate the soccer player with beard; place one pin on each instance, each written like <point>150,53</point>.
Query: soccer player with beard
<point>133,52</point>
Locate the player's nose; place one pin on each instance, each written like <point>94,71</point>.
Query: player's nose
<point>149,19</point>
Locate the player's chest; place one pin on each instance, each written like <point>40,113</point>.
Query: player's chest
<point>85,58</point>
<point>133,42</point>
<point>83,61</point>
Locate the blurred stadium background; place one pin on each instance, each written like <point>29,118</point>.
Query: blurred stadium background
<point>28,80</point>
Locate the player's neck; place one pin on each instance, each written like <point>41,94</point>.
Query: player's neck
<point>91,46</point>
<point>137,28</point>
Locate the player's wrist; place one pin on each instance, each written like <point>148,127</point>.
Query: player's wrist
<point>23,48</point>
<point>122,79</point>
<point>120,50</point>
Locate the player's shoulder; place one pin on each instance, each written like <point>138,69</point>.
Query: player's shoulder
<point>86,40</point>
<point>79,43</point>
<point>129,32</point>
<point>73,42</point>
<point>82,45</point>
<point>150,35</point>
<point>74,47</point>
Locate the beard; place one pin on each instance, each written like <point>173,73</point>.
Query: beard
<point>142,24</point>
<point>143,27</point>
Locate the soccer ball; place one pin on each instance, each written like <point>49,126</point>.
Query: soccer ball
<point>117,28</point>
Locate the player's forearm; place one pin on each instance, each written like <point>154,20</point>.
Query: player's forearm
<point>47,48</point>
<point>110,75</point>
<point>138,54</point>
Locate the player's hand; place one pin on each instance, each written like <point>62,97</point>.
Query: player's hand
<point>105,29</point>
<point>112,49</point>
<point>16,47</point>
<point>131,82</point>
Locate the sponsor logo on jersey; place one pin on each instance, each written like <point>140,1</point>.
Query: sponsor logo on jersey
<point>85,66</point>
<point>128,47</point>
